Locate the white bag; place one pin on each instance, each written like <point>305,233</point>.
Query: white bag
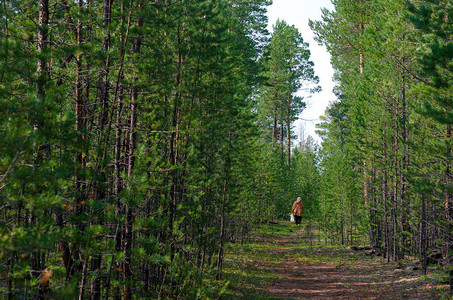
<point>291,218</point>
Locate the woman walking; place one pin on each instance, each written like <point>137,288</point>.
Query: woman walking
<point>298,210</point>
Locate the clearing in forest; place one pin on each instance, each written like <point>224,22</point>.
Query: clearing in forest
<point>281,262</point>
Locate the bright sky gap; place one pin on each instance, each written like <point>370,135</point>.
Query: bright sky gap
<point>297,13</point>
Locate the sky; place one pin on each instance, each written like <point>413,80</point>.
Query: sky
<point>297,13</point>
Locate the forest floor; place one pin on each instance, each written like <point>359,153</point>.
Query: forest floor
<point>281,261</point>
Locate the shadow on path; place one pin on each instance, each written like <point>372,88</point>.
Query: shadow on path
<point>312,271</point>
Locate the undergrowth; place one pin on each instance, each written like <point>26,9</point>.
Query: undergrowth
<point>250,268</point>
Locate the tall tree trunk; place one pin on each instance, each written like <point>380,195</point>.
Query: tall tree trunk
<point>43,22</point>
<point>222,212</point>
<point>274,127</point>
<point>127,271</point>
<point>174,135</point>
<point>396,210</point>
<point>288,111</point>
<point>222,230</point>
<point>37,264</point>
<point>405,208</point>
<point>282,139</point>
<point>385,227</point>
<point>127,245</point>
<point>449,206</point>
<point>288,134</point>
<point>423,235</point>
<point>105,70</point>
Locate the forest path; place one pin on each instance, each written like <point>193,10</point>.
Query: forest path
<point>285,263</point>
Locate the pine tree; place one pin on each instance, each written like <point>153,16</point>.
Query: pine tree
<point>435,57</point>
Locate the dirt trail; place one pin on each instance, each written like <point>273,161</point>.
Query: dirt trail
<point>313,271</point>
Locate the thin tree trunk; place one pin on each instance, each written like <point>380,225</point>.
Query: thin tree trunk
<point>449,206</point>
<point>83,281</point>
<point>127,272</point>
<point>288,135</point>
<point>274,127</point>
<point>43,15</point>
<point>174,135</point>
<point>282,147</point>
<point>118,188</point>
<point>396,212</point>
<point>9,282</point>
<point>222,213</point>
<point>405,208</point>
<point>423,236</point>
<point>384,196</point>
<point>37,264</point>
<point>63,246</point>
<point>127,245</point>
<point>105,70</point>
<point>288,113</point>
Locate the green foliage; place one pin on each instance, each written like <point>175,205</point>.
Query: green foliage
<point>387,141</point>
<point>127,131</point>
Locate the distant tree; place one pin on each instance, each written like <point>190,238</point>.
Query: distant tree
<point>287,66</point>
